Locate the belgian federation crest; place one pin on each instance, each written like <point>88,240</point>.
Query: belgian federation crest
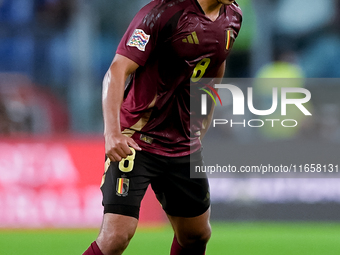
<point>230,39</point>
<point>122,187</point>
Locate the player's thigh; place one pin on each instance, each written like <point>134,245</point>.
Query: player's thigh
<point>191,230</point>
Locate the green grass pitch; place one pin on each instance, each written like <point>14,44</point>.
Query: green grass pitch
<point>228,238</point>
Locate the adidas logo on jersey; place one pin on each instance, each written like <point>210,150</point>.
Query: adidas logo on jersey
<point>192,39</point>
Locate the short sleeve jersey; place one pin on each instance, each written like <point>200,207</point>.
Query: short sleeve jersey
<point>168,39</point>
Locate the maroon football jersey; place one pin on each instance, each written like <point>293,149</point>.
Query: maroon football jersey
<point>173,42</point>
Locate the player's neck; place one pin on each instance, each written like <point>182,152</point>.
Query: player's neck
<point>211,8</point>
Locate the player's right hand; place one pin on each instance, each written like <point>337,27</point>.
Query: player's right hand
<point>117,146</point>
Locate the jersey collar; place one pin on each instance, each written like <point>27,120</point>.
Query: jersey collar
<point>199,6</point>
<point>222,10</point>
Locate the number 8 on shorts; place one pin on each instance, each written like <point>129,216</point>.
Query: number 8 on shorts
<point>126,164</point>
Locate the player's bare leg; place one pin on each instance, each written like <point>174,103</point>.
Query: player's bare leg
<point>115,233</point>
<point>191,234</point>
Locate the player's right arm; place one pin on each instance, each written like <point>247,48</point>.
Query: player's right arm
<point>116,144</point>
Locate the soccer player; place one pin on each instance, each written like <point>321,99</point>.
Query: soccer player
<point>148,135</point>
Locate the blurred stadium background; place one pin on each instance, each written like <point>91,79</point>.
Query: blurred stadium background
<point>53,56</point>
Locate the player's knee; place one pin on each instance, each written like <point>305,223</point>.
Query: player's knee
<point>114,243</point>
<point>194,239</point>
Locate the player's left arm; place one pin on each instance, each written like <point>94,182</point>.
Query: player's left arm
<point>207,120</point>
